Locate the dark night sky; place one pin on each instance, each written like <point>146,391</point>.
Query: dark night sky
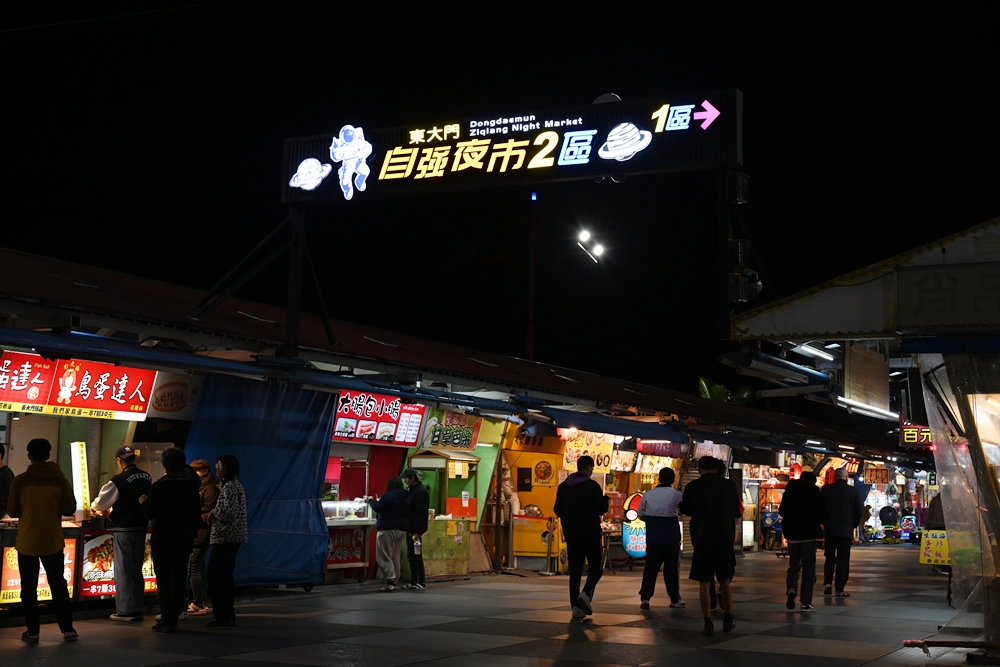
<point>152,144</point>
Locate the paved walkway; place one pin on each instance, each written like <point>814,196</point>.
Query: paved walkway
<point>511,621</point>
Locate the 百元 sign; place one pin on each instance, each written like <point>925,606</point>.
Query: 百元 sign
<point>517,147</point>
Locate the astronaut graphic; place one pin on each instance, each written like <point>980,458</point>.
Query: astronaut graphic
<point>351,150</point>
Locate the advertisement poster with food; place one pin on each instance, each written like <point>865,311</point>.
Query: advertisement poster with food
<point>379,418</point>
<point>97,576</point>
<point>543,473</point>
<point>598,446</point>
<point>10,584</point>
<point>175,396</point>
<point>346,546</point>
<point>623,461</point>
<point>446,429</point>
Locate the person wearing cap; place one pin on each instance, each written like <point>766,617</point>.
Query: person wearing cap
<point>208,491</point>
<point>128,522</point>
<point>40,497</point>
<point>419,503</point>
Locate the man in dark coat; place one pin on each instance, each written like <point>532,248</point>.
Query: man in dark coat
<point>580,504</point>
<point>843,513</point>
<point>713,503</point>
<point>802,516</point>
<point>174,507</point>
<point>416,526</point>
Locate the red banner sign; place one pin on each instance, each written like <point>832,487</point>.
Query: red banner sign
<point>26,381</point>
<point>73,388</point>
<point>10,584</point>
<point>386,420</point>
<point>672,449</point>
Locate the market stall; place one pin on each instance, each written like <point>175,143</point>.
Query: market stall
<point>86,410</point>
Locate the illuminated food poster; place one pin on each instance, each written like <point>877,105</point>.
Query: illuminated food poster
<point>98,573</point>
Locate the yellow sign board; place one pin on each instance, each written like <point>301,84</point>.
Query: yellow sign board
<point>934,548</point>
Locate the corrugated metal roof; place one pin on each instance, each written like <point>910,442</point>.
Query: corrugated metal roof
<point>779,315</point>
<point>29,280</point>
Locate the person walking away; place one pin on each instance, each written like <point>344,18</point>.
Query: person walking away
<point>121,495</point>
<point>208,492</point>
<point>713,503</point>
<point>843,513</point>
<point>580,504</point>
<point>658,508</point>
<point>6,479</point>
<point>392,509</point>
<point>802,516</point>
<point>229,530</point>
<point>418,503</point>
<point>39,497</point>
<point>174,507</point>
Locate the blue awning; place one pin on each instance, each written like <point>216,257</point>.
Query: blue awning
<point>597,423</point>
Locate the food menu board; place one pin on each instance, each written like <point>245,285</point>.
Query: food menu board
<point>649,464</point>
<point>598,446</point>
<point>447,429</point>
<point>98,573</point>
<point>73,388</point>
<point>346,546</point>
<point>10,584</point>
<point>623,461</point>
<point>377,417</point>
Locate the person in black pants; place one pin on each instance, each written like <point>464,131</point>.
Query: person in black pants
<point>843,513</point>
<point>416,525</point>
<point>802,514</point>
<point>175,509</point>
<point>658,509</point>
<point>229,531</point>
<point>580,504</point>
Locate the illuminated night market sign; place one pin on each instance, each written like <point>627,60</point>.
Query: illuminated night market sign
<point>517,147</point>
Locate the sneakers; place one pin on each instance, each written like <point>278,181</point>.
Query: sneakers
<point>677,605</point>
<point>790,603</point>
<point>577,613</point>
<point>584,603</point>
<point>644,604</point>
<point>709,630</point>
<point>828,590</point>
<point>70,636</point>
<point>31,639</point>
<point>728,624</point>
<point>180,617</point>
<point>842,594</point>
<point>807,607</point>
<point>414,587</point>
<point>127,619</point>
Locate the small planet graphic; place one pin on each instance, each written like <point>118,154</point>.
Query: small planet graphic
<point>310,174</point>
<point>624,141</point>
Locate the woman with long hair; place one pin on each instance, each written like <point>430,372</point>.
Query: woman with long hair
<point>208,490</point>
<point>229,530</point>
<point>391,526</point>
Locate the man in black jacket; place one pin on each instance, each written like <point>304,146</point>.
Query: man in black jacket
<point>843,513</point>
<point>121,496</point>
<point>713,503</point>
<point>174,507</point>
<point>802,515</point>
<point>416,526</point>
<point>580,504</point>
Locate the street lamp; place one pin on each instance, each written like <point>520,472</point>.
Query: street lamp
<point>594,252</point>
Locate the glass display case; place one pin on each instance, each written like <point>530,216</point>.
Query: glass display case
<point>339,512</point>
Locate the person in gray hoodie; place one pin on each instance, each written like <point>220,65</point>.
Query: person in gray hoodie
<point>580,504</point>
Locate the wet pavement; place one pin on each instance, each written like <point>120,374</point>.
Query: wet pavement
<point>525,622</point>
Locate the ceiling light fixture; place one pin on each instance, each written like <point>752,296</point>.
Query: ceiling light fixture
<point>812,351</point>
<point>864,407</point>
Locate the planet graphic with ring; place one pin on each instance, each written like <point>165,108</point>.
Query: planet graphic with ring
<point>310,174</point>
<point>624,141</point>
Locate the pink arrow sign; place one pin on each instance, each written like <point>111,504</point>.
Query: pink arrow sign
<point>710,114</point>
